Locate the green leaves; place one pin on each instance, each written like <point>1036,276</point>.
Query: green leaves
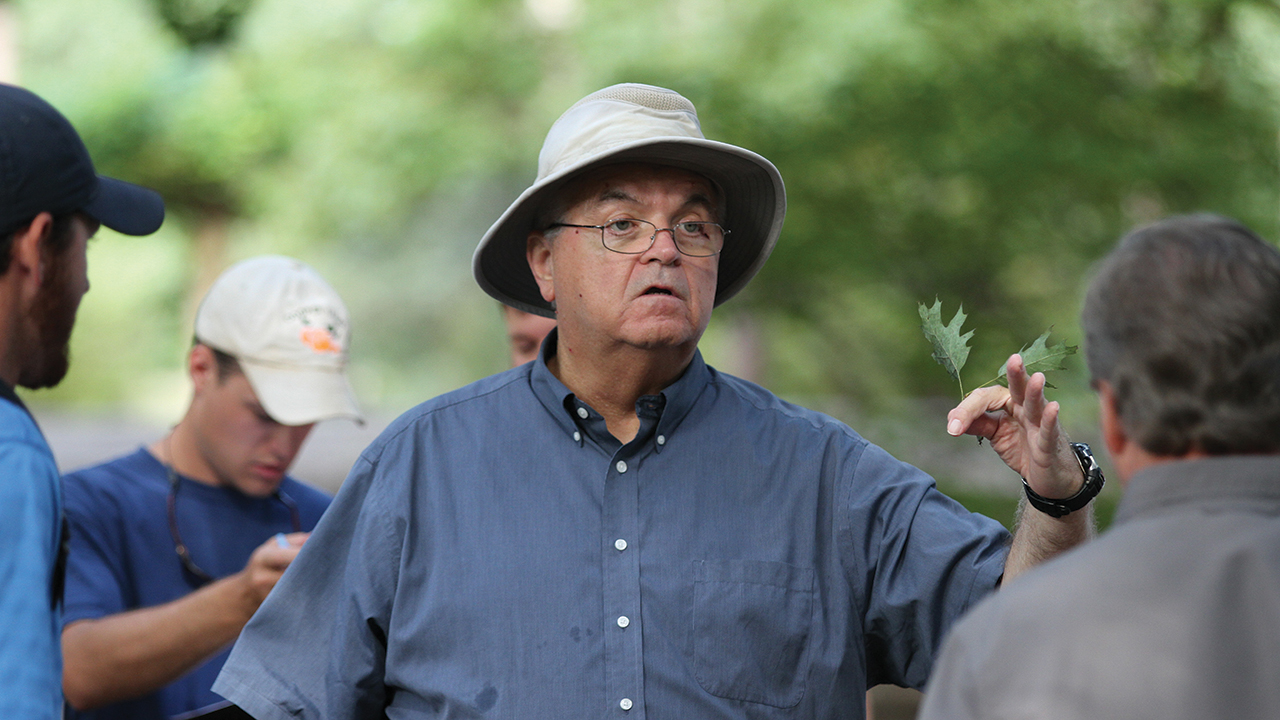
<point>951,349</point>
<point>1038,357</point>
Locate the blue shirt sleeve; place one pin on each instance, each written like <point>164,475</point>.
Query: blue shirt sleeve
<point>30,534</point>
<point>927,559</point>
<point>329,615</point>
<point>95,574</point>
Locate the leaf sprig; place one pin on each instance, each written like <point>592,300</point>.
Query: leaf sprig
<point>951,348</point>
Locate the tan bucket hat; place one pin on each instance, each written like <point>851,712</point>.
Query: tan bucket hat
<point>636,123</point>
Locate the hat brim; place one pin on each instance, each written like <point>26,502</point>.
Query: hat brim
<point>126,208</point>
<point>755,202</point>
<point>301,396</point>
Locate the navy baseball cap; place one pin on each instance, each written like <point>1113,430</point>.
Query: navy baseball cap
<point>44,167</point>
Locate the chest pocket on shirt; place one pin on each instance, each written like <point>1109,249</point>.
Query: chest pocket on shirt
<point>751,626</point>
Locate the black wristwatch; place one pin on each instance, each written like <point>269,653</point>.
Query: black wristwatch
<point>1093,482</point>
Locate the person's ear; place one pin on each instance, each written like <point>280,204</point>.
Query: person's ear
<point>539,255</point>
<point>1113,432</point>
<point>27,257</point>
<point>203,367</point>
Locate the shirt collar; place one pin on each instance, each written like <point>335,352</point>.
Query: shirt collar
<point>680,395</point>
<point>1231,480</point>
<point>7,393</point>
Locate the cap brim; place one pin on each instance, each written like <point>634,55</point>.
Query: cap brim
<point>755,199</point>
<point>301,396</point>
<point>125,207</point>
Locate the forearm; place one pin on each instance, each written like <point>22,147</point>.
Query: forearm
<point>1039,537</point>
<point>133,653</point>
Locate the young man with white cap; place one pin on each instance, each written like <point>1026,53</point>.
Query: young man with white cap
<point>617,530</point>
<point>175,545</point>
<point>51,202</point>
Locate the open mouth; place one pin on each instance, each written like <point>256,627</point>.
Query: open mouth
<point>658,291</point>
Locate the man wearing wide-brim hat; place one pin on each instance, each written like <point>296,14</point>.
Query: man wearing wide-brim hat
<point>617,529</point>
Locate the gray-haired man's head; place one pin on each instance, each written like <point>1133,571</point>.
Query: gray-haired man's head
<point>1182,322</point>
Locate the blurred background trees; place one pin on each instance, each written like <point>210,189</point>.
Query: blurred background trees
<point>984,152</point>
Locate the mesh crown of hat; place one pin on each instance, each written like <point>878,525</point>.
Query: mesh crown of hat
<point>644,95</point>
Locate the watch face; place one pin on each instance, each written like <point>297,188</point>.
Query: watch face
<point>1093,478</point>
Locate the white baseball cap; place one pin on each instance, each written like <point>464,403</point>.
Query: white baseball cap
<point>289,331</point>
<point>630,123</point>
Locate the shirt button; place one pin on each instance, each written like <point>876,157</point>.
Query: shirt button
<point>577,436</point>
<point>620,544</point>
<point>624,621</point>
<point>622,466</point>
<point>662,439</point>
<point>582,413</point>
<point>625,703</point>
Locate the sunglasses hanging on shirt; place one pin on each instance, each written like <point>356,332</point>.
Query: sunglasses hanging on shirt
<point>195,571</point>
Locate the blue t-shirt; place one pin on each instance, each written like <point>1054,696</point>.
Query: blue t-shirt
<point>122,553</point>
<point>30,538</point>
<point>497,553</point>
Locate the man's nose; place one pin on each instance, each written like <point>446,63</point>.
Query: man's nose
<point>286,440</point>
<point>663,248</point>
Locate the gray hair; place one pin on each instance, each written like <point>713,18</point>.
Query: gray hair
<point>1183,322</point>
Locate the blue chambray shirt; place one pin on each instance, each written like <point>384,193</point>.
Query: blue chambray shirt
<point>497,554</point>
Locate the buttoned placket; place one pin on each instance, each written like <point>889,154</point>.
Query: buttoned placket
<point>620,563</point>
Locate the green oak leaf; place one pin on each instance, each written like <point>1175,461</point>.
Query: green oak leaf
<point>1040,357</point>
<point>950,348</point>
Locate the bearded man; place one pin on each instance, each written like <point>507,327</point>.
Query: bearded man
<point>51,202</point>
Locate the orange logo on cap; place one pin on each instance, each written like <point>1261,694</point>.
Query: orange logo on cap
<point>320,340</point>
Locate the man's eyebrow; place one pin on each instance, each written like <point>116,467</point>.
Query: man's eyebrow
<point>700,199</point>
<point>696,198</point>
<point>614,194</point>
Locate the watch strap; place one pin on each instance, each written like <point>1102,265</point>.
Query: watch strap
<point>1093,482</point>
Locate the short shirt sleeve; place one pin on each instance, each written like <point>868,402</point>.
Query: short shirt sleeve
<point>96,576</point>
<point>927,559</point>
<point>317,646</point>
<point>30,528</point>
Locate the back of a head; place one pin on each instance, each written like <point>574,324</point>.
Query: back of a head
<point>1183,322</point>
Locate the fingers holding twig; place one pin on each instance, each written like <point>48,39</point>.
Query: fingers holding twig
<point>972,416</point>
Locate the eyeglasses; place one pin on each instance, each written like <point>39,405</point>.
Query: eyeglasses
<point>203,578</point>
<point>632,237</point>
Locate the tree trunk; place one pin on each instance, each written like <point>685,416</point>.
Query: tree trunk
<point>209,253</point>
<point>8,43</point>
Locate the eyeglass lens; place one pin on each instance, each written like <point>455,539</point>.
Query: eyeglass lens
<point>697,239</point>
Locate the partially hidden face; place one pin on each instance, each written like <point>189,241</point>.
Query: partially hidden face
<point>652,299</point>
<point>239,444</point>
<point>53,313</point>
<point>525,332</point>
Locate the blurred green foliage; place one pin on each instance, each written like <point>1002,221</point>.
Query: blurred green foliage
<point>202,22</point>
<point>984,152</point>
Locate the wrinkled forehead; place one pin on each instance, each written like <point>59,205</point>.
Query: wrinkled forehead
<point>632,182</point>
